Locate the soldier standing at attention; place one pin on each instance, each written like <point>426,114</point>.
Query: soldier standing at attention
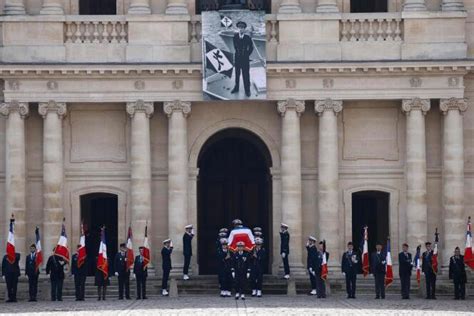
<point>427,268</point>
<point>166,265</point>
<point>285,248</point>
<point>122,272</point>
<point>350,267</point>
<point>11,273</point>
<point>311,262</point>
<point>32,273</point>
<point>80,274</point>
<point>320,282</point>
<point>457,273</point>
<point>240,270</point>
<point>140,270</point>
<point>225,268</point>
<point>257,268</point>
<point>405,264</point>
<point>378,265</point>
<point>187,249</point>
<point>55,269</point>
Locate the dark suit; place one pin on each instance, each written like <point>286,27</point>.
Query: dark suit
<point>457,273</point>
<point>80,274</point>
<point>243,49</point>
<point>166,265</point>
<point>121,267</point>
<point>240,266</point>
<point>11,272</point>
<point>32,274</point>
<point>225,266</point>
<point>55,269</point>
<point>350,265</point>
<point>311,265</point>
<point>378,266</point>
<point>405,265</point>
<point>320,283</point>
<point>430,276</point>
<point>187,251</point>
<point>257,267</point>
<point>285,248</point>
<point>140,274</point>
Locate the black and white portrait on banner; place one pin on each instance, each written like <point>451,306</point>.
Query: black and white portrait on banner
<point>234,56</point>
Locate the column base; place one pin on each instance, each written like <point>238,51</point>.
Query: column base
<point>327,8</point>
<point>52,10</point>
<point>289,9</point>
<point>452,7</point>
<point>14,9</point>
<point>414,7</point>
<point>176,9</point>
<point>139,9</point>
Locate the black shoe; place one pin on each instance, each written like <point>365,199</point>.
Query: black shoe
<point>247,94</point>
<point>138,298</point>
<point>353,296</point>
<point>99,298</point>
<point>9,301</point>
<point>348,296</point>
<point>377,297</point>
<point>128,298</point>
<point>427,298</point>
<point>235,90</point>
<point>121,298</point>
<point>383,297</point>
<point>433,297</point>
<point>60,299</point>
<point>144,297</point>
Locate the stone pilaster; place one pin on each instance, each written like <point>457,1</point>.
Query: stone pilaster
<point>177,7</point>
<point>140,185</point>
<point>452,5</point>
<point>53,171</point>
<point>291,208</point>
<point>290,6</point>
<point>414,5</point>
<point>15,169</point>
<point>328,176</point>
<point>177,112</point>
<point>139,7</point>
<point>52,7</point>
<point>415,174</point>
<point>327,6</point>
<point>453,176</point>
<point>14,7</point>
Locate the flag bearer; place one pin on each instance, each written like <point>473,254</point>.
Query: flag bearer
<point>457,273</point>
<point>311,263</point>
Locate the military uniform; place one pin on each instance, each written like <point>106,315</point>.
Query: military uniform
<point>11,273</point>
<point>224,258</point>
<point>311,266</point>
<point>457,273</point>
<point>141,274</point>
<point>33,274</point>
<point>285,251</point>
<point>257,268</point>
<point>350,265</point>
<point>121,268</point>
<point>320,282</point>
<point>166,265</point>
<point>378,267</point>
<point>405,264</point>
<point>187,251</point>
<point>55,269</point>
<point>101,282</point>
<point>430,276</point>
<point>240,269</point>
<point>80,274</point>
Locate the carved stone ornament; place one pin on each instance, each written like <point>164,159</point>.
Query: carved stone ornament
<point>415,82</point>
<point>140,106</point>
<point>15,106</point>
<point>59,108</point>
<point>13,85</point>
<point>453,104</point>
<point>409,105</point>
<point>177,84</point>
<point>139,84</point>
<point>453,81</point>
<point>321,106</point>
<point>290,83</point>
<point>290,104</point>
<point>169,107</point>
<point>52,85</point>
<point>328,83</point>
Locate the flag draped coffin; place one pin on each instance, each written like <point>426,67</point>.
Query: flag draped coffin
<point>468,255</point>
<point>243,234</point>
<point>11,242</point>
<point>102,260</point>
<point>39,252</point>
<point>61,248</point>
<point>365,253</point>
<point>388,267</point>
<point>130,255</point>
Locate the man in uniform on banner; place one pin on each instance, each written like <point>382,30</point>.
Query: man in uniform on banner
<point>243,49</point>
<point>285,249</point>
<point>311,262</point>
<point>187,249</point>
<point>350,266</point>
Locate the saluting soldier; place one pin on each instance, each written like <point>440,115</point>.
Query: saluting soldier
<point>311,263</point>
<point>240,270</point>
<point>32,273</point>
<point>258,261</point>
<point>378,266</point>
<point>122,272</point>
<point>141,273</point>
<point>187,249</point>
<point>350,265</point>
<point>224,258</point>
<point>405,264</point>
<point>320,282</point>
<point>80,274</point>
<point>427,268</point>
<point>166,265</point>
<point>457,273</point>
<point>285,248</point>
<point>11,273</point>
<point>55,269</point>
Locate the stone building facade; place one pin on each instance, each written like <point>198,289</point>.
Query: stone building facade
<point>369,118</point>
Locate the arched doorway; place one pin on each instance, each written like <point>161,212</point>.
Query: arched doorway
<point>97,210</point>
<point>370,208</point>
<point>234,182</point>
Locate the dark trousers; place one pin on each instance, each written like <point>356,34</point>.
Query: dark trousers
<point>244,68</point>
<point>405,282</point>
<point>430,279</point>
<point>351,279</point>
<point>320,286</point>
<point>239,282</point>
<point>312,279</point>
<point>166,277</point>
<point>141,287</point>
<point>257,280</point>
<point>12,284</point>
<point>79,284</point>
<point>187,262</point>
<point>57,289</point>
<point>124,285</point>
<point>379,285</point>
<point>286,265</point>
<point>101,291</point>
<point>225,279</point>
<point>33,286</point>
<point>459,289</point>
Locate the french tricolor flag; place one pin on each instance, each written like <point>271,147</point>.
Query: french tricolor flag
<point>81,252</point>
<point>468,255</point>
<point>388,267</point>
<point>102,262</point>
<point>241,234</point>
<point>365,252</point>
<point>324,264</point>
<point>130,255</point>
<point>61,249</point>
<point>146,249</point>
<point>434,259</point>
<point>39,253</point>
<point>418,264</point>
<point>11,241</point>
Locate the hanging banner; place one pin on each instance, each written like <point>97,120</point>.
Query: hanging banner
<point>234,56</point>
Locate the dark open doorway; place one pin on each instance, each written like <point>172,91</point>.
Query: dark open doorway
<point>234,182</point>
<point>97,7</point>
<point>365,6</point>
<point>97,210</point>
<point>370,208</point>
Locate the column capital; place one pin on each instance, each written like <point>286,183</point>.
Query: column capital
<point>169,107</point>
<point>321,106</point>
<point>15,106</point>
<point>59,108</point>
<point>453,104</point>
<point>290,104</point>
<point>140,106</point>
<point>416,104</point>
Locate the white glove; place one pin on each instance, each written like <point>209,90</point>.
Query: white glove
<point>283,255</point>
<point>233,275</point>
<point>3,277</point>
<point>248,275</point>
<point>383,262</point>
<point>171,244</point>
<point>311,271</point>
<point>343,273</point>
<point>133,276</point>
<point>116,273</point>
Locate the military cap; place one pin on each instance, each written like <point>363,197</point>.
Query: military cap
<point>222,235</point>
<point>166,241</point>
<point>122,245</point>
<point>223,230</point>
<point>257,229</point>
<point>258,234</point>
<point>284,225</point>
<point>241,24</point>
<point>188,226</point>
<point>236,222</point>
<point>427,243</point>
<point>311,238</point>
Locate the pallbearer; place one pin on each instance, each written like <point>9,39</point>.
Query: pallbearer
<point>350,266</point>
<point>140,271</point>
<point>223,233</point>
<point>457,273</point>
<point>187,249</point>
<point>224,258</point>
<point>240,270</point>
<point>55,269</point>
<point>405,264</point>
<point>79,271</point>
<point>429,271</point>
<point>166,257</point>
<point>32,273</point>
<point>285,248</point>
<point>320,281</point>
<point>378,266</point>
<point>258,262</point>
<point>122,272</point>
<point>311,262</point>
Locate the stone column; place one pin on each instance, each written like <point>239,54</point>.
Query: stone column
<point>290,6</point>
<point>140,185</point>
<point>15,170</point>
<point>453,176</point>
<point>327,6</point>
<point>328,176</point>
<point>290,111</point>
<point>416,208</point>
<point>14,7</point>
<point>452,5</point>
<point>177,7</point>
<point>53,171</point>
<point>177,112</point>
<point>139,7</point>
<point>414,5</point>
<point>52,7</point>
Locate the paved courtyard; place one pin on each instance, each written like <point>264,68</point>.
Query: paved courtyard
<point>269,305</point>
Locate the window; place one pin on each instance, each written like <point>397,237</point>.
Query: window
<point>361,6</point>
<point>96,7</point>
<point>210,5</point>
